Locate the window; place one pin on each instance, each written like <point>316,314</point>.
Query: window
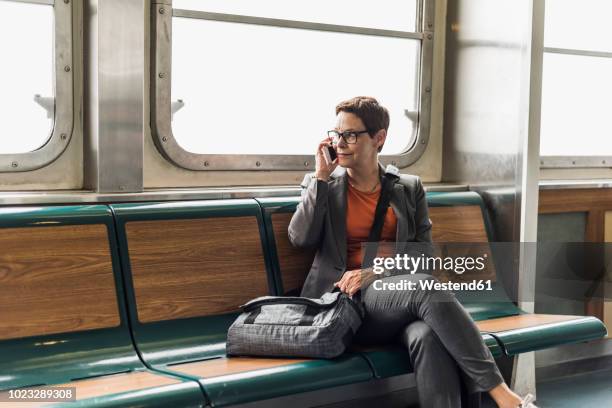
<point>35,83</point>
<point>576,84</point>
<point>27,101</point>
<point>385,14</point>
<point>259,89</point>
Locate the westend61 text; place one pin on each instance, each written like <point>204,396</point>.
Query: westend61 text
<point>429,284</point>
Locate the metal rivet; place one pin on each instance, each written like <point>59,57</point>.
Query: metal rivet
<point>429,36</point>
<point>206,164</point>
<point>306,164</point>
<point>14,164</point>
<point>164,139</point>
<point>67,68</point>
<point>63,136</point>
<point>161,75</point>
<point>428,89</point>
<point>573,161</point>
<point>258,164</point>
<point>162,10</point>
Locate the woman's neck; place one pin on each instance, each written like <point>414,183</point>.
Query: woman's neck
<point>364,178</point>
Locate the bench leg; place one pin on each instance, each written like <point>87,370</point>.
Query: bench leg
<point>523,374</point>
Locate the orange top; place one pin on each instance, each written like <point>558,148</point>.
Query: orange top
<point>360,209</point>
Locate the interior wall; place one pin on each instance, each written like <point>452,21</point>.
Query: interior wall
<point>488,46</point>
<point>486,119</point>
<point>483,106</point>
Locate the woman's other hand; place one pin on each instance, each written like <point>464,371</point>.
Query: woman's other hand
<point>353,280</point>
<point>323,169</point>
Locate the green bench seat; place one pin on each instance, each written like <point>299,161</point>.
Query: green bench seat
<point>63,312</point>
<point>188,267</point>
<point>456,217</point>
<point>131,303</point>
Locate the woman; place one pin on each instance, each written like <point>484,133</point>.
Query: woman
<point>335,216</point>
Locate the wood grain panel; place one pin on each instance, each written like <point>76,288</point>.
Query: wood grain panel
<point>108,384</point>
<point>56,279</point>
<point>224,366</point>
<point>457,224</point>
<point>521,321</point>
<point>195,267</point>
<point>294,262</point>
<point>574,200</point>
<point>461,224</point>
<point>595,226</point>
<point>607,281</point>
<point>607,312</point>
<point>117,383</point>
<point>595,202</point>
<point>595,232</point>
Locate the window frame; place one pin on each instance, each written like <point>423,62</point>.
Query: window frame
<point>161,71</point>
<point>62,126</point>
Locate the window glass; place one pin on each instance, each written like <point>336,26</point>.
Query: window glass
<point>26,76</point>
<point>273,90</point>
<point>576,88</point>
<point>576,100</point>
<point>579,24</point>
<point>383,14</point>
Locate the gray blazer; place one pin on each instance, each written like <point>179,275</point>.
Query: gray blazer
<point>320,222</point>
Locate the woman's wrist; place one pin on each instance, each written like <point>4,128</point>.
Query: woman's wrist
<point>368,276</point>
<point>321,177</point>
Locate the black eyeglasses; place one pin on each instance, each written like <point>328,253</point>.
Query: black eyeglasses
<point>349,137</point>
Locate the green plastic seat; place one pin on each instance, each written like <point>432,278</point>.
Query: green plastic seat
<point>575,330</point>
<point>78,357</point>
<point>194,347</point>
<point>186,354</point>
<point>482,305</point>
<point>393,359</point>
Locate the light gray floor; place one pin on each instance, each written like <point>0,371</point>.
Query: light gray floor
<point>588,390</point>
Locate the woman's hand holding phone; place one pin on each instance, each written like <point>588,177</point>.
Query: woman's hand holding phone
<point>323,167</point>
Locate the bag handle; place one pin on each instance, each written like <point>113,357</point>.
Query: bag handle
<point>390,177</point>
<point>274,300</point>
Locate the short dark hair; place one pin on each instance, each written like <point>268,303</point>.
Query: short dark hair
<point>373,115</point>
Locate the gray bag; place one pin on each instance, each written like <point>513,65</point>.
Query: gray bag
<point>295,326</point>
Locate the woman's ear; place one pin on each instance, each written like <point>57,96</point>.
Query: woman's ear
<point>380,137</point>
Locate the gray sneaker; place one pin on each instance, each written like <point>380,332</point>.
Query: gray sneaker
<point>527,402</point>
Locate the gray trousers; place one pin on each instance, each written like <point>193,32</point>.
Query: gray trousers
<point>443,342</point>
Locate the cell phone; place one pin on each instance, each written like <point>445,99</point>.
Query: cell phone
<point>330,154</point>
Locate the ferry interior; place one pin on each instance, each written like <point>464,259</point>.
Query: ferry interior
<point>152,155</point>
